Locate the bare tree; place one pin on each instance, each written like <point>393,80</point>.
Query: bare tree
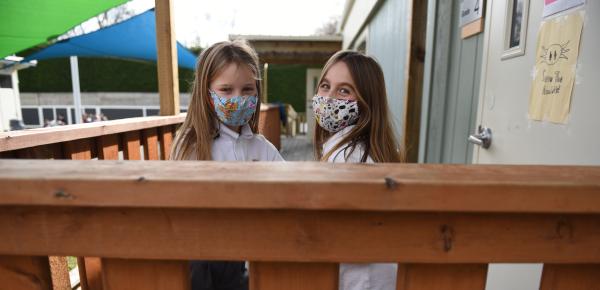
<point>107,18</point>
<point>329,27</point>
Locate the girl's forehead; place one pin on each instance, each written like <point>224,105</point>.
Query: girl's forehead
<point>339,73</point>
<point>233,73</point>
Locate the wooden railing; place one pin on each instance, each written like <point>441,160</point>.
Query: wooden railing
<point>296,221</point>
<point>144,138</point>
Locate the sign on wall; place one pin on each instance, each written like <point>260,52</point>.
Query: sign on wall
<point>556,62</point>
<point>470,10</point>
<point>555,6</point>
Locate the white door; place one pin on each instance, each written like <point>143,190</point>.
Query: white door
<point>504,106</point>
<point>10,107</point>
<point>505,89</point>
<point>312,79</point>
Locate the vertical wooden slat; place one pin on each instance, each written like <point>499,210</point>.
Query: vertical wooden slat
<point>166,139</point>
<point>131,145</point>
<point>24,273</point>
<point>414,81</point>
<point>145,274</point>
<point>108,147</point>
<point>7,154</point>
<point>50,151</point>
<point>150,142</point>
<point>293,276</point>
<point>78,149</point>
<point>570,277</point>
<point>60,273</point>
<point>90,273</point>
<point>441,276</point>
<point>168,78</point>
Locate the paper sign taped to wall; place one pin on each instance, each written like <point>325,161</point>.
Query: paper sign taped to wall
<point>556,60</point>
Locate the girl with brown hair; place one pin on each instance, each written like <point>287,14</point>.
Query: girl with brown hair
<point>353,126</point>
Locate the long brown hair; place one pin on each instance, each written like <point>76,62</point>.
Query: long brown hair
<point>200,127</point>
<point>373,130</point>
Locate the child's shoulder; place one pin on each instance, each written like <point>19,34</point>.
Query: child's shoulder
<point>272,152</point>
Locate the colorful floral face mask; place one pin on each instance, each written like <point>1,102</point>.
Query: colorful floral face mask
<point>235,111</point>
<point>334,115</point>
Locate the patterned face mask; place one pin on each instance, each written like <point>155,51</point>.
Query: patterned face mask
<point>235,111</point>
<point>334,115</point>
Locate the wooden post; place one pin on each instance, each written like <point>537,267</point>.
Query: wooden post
<point>166,46</point>
<point>414,81</point>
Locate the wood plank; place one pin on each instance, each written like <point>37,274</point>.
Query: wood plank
<point>166,46</point>
<point>570,277</point>
<point>472,28</point>
<point>303,185</point>
<point>300,235</point>
<point>145,274</point>
<point>131,145</point>
<point>8,154</point>
<point>441,276</point>
<point>293,276</point>
<point>50,151</point>
<point>60,273</point>
<point>90,273</point>
<point>414,81</point>
<point>25,273</point>
<point>165,135</point>
<point>150,142</point>
<point>78,149</point>
<point>13,140</point>
<point>108,147</point>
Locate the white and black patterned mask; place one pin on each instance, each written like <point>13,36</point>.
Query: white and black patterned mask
<point>333,114</point>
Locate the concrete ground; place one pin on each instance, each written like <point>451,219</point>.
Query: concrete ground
<point>298,148</point>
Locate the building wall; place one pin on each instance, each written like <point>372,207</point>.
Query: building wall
<point>357,17</point>
<point>387,41</point>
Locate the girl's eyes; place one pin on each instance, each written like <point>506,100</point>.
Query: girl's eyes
<point>324,86</point>
<point>344,91</point>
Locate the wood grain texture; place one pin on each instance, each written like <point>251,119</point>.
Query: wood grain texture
<point>131,145</point>
<point>165,134</point>
<point>293,276</point>
<point>300,235</point>
<point>571,277</point>
<point>472,28</point>
<point>108,147</point>
<point>441,276</point>
<point>150,143</point>
<point>121,274</point>
<point>80,149</point>
<point>25,273</point>
<point>90,273</point>
<point>13,140</point>
<point>303,185</point>
<point>60,273</point>
<point>166,46</point>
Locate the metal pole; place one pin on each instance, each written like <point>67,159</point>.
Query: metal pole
<point>76,89</point>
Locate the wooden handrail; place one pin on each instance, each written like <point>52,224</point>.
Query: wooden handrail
<point>305,185</point>
<point>14,140</point>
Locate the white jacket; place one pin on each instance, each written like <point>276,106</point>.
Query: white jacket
<point>245,146</point>
<point>376,276</point>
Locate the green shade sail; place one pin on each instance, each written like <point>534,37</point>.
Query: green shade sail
<point>26,23</point>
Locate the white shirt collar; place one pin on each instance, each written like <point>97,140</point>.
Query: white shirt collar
<point>246,131</point>
<point>335,138</point>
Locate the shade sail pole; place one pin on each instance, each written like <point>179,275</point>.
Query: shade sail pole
<point>76,89</point>
<point>168,77</point>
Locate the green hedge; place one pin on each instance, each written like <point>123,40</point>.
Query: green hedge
<point>287,83</point>
<point>96,75</point>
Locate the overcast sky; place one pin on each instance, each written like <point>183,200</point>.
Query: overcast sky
<point>213,20</point>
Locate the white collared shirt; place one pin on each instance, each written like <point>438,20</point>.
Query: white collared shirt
<point>373,276</point>
<point>342,154</point>
<point>244,146</point>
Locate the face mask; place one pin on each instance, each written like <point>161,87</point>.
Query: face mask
<point>235,111</point>
<point>334,115</point>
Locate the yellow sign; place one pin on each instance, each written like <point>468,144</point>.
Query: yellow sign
<point>556,61</point>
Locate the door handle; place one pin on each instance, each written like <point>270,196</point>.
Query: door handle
<point>483,137</point>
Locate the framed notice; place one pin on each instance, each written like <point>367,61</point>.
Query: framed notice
<point>555,6</point>
<point>471,17</point>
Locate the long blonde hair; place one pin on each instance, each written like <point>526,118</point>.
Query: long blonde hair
<point>200,127</point>
<point>373,130</point>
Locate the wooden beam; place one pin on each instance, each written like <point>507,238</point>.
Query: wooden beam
<point>25,272</point>
<point>299,235</point>
<point>13,140</point>
<point>166,46</point>
<point>302,185</point>
<point>123,274</point>
<point>414,81</point>
<point>441,276</point>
